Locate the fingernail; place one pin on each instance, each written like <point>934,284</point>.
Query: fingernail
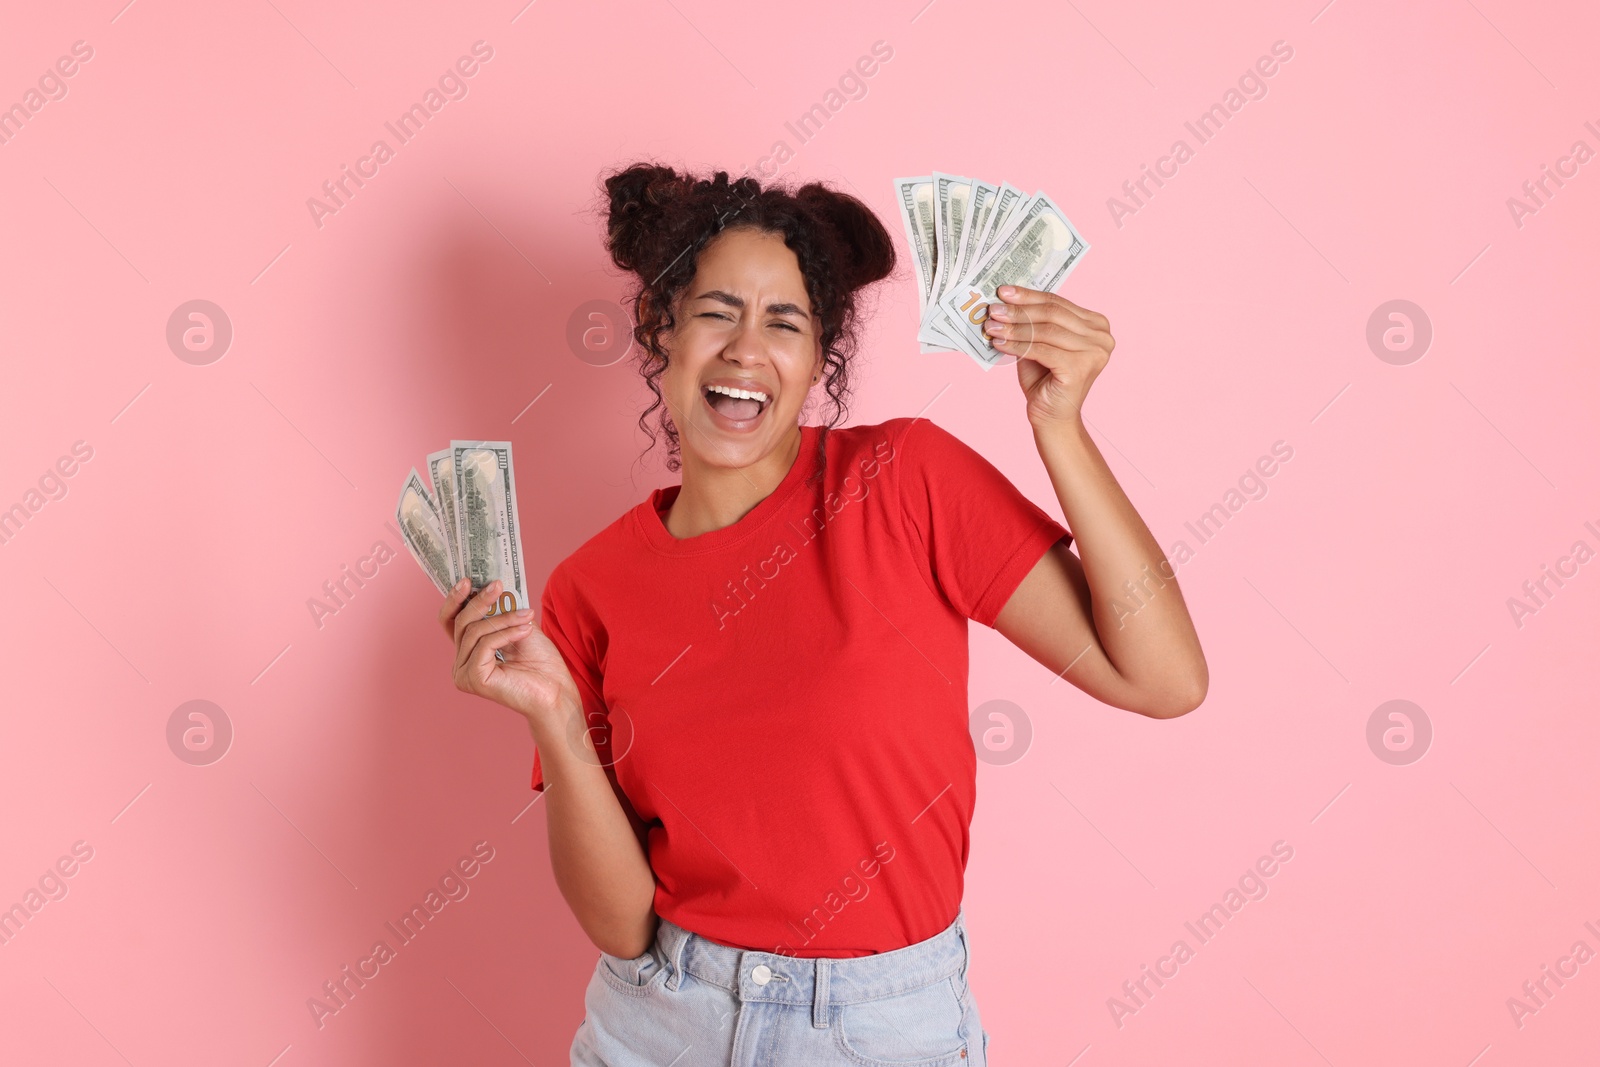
<point>999,311</point>
<point>993,328</point>
<point>1007,290</point>
<point>523,613</point>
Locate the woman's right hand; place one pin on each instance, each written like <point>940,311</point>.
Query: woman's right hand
<point>533,680</point>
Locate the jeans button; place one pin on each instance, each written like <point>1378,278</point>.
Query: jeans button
<point>761,974</point>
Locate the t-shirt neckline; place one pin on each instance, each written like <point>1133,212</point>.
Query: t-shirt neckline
<point>656,534</point>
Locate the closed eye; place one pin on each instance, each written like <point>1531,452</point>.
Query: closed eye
<point>791,327</point>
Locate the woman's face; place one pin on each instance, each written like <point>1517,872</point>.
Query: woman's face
<point>744,325</point>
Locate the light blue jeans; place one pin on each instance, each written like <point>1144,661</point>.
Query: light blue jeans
<point>690,1002</point>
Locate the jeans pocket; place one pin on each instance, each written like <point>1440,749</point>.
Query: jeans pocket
<point>637,977</point>
<point>921,1027</point>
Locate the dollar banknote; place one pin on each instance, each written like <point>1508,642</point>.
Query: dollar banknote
<point>951,196</point>
<point>915,197</point>
<point>442,474</point>
<point>956,228</point>
<point>468,526</point>
<point>920,216</point>
<point>422,529</point>
<point>488,529</point>
<point>979,214</point>
<point>1037,250</point>
<point>980,207</point>
<point>1006,203</point>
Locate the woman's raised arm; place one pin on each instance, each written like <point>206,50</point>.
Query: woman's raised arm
<point>1110,619</point>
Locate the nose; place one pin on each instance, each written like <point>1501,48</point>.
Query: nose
<point>746,345</point>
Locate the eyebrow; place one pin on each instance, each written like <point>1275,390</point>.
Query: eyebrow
<point>738,302</point>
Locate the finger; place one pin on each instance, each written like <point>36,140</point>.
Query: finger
<point>1047,356</point>
<point>1021,295</point>
<point>477,607</point>
<point>1035,348</point>
<point>1017,295</point>
<point>483,650</point>
<point>452,605</point>
<point>1100,321</point>
<point>1061,351</point>
<point>1066,338</point>
<point>474,631</point>
<point>1041,313</point>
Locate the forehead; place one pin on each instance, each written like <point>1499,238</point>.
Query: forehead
<point>750,259</point>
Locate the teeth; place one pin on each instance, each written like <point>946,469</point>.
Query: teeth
<point>742,394</point>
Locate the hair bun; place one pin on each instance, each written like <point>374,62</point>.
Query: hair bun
<point>866,251</point>
<point>641,200</point>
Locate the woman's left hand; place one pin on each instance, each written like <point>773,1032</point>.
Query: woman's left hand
<point>1060,349</point>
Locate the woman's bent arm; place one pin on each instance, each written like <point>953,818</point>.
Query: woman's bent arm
<point>599,863</point>
<point>596,849</point>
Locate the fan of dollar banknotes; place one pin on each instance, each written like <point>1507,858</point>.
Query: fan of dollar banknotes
<point>467,526</point>
<point>967,239</point>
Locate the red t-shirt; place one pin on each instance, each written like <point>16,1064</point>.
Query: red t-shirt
<point>784,700</point>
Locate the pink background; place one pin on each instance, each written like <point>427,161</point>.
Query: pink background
<point>435,304</point>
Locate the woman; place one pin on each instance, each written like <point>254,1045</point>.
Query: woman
<point>748,694</point>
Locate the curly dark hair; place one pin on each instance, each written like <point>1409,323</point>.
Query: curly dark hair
<point>660,221</point>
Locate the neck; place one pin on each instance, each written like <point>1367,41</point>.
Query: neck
<point>713,497</point>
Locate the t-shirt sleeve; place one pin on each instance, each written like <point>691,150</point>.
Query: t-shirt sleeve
<point>981,536</point>
<point>564,619</point>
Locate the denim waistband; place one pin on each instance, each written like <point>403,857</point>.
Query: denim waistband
<point>822,981</point>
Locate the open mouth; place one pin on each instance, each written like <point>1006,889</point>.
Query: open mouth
<point>736,408</point>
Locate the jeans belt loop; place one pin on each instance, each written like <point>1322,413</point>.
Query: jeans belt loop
<point>819,999</point>
<point>675,958</point>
